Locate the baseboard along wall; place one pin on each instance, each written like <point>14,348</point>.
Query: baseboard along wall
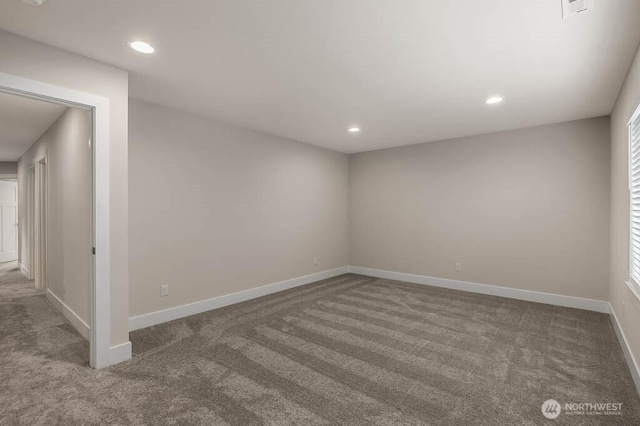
<point>120,353</point>
<point>170,314</point>
<point>77,322</point>
<point>117,354</point>
<point>24,271</point>
<point>159,317</point>
<point>634,367</point>
<point>511,293</point>
<point>601,306</point>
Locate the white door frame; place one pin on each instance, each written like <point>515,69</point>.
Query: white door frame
<point>100,318</point>
<point>31,221</point>
<point>41,212</point>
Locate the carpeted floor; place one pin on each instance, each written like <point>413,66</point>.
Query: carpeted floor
<point>13,284</point>
<point>349,350</point>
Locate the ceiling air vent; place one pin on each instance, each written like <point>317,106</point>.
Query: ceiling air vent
<point>575,7</point>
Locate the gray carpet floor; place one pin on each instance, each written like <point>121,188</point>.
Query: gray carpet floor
<point>350,350</point>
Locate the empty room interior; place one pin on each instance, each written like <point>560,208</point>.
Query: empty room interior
<point>319,213</point>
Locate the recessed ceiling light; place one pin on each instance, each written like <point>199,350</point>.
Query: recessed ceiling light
<point>142,47</point>
<point>354,129</point>
<point>494,100</point>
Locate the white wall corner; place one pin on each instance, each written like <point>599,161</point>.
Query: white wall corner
<point>120,353</point>
<point>77,322</point>
<point>159,317</point>
<point>511,293</point>
<point>633,365</point>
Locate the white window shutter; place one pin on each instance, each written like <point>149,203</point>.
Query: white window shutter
<point>634,189</point>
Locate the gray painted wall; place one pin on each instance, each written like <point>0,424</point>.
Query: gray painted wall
<point>527,209</point>
<point>215,209</point>
<point>66,147</point>
<point>625,304</point>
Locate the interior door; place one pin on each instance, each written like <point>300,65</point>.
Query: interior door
<point>8,221</point>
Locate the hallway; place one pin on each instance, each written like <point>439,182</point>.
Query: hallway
<point>32,331</point>
<point>13,284</point>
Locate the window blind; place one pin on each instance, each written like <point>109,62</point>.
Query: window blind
<point>634,188</point>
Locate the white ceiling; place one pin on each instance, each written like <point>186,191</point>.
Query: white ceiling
<point>406,71</point>
<point>22,122</point>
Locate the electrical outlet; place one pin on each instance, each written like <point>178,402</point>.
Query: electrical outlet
<point>164,290</point>
<point>458,267</point>
<point>315,261</point>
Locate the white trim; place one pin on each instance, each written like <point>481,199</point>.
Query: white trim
<point>120,353</point>
<point>159,317</point>
<point>77,322</point>
<point>24,271</point>
<point>512,293</point>
<point>100,336</point>
<point>634,368</point>
<point>41,213</point>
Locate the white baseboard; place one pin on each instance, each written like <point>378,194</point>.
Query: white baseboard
<point>512,293</point>
<point>159,317</point>
<point>73,318</point>
<point>117,354</point>
<point>120,353</point>
<point>24,271</point>
<point>634,368</point>
<point>123,352</point>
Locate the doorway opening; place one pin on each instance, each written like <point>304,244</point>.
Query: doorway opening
<point>8,220</point>
<point>40,227</point>
<point>47,145</point>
